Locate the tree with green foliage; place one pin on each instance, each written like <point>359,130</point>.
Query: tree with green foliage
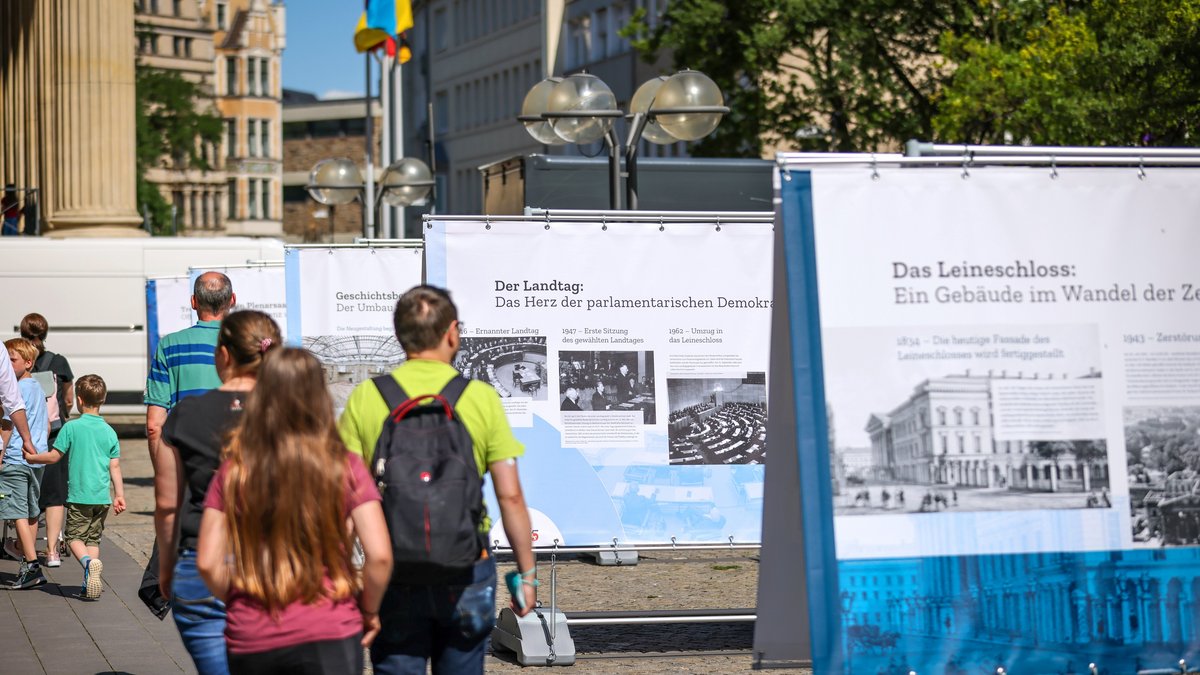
<point>869,75</point>
<point>1098,73</point>
<point>174,123</point>
<point>815,74</point>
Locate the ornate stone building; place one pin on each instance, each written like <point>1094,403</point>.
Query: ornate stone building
<point>942,434</point>
<point>67,123</point>
<point>232,48</point>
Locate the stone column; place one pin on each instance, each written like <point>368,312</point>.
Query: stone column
<point>92,179</point>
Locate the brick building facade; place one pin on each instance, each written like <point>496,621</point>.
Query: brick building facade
<point>314,130</point>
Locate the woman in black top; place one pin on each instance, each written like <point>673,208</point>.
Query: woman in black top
<point>193,436</point>
<point>53,498</point>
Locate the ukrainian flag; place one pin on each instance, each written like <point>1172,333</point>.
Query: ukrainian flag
<point>384,20</point>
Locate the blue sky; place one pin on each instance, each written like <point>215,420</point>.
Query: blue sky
<point>320,56</point>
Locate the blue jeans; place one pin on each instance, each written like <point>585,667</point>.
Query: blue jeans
<point>199,616</point>
<point>447,624</point>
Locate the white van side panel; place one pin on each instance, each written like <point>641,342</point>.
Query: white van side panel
<point>93,294</point>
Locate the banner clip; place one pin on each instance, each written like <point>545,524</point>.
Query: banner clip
<point>1141,168</point>
<point>874,167</point>
<point>1053,168</point>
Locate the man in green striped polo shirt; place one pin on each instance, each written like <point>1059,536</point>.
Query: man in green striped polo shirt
<point>184,366</point>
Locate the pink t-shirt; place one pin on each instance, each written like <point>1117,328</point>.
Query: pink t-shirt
<point>250,628</point>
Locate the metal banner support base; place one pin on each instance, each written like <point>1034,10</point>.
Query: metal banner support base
<point>540,638</point>
<point>611,558</point>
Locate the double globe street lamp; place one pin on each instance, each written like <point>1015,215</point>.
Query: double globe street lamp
<point>581,108</point>
<point>338,181</point>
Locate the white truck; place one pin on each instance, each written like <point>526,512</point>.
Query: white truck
<point>93,294</point>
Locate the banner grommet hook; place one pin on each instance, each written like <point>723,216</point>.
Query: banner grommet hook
<point>874,167</point>
<point>966,159</point>
<point>1141,168</point>
<point>1053,167</point>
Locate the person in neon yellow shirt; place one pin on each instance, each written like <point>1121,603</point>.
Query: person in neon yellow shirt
<point>416,617</point>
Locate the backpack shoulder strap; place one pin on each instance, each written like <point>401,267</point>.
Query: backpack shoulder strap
<point>454,390</point>
<point>393,393</point>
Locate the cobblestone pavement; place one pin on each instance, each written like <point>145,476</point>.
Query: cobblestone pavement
<point>661,580</point>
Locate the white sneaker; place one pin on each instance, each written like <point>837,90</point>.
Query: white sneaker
<point>91,579</point>
<point>53,559</point>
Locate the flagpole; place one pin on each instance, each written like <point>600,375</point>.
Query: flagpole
<point>369,192</point>
<point>397,122</point>
<point>386,156</point>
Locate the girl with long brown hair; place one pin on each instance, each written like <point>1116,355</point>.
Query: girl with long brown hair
<point>277,533</point>
<point>192,440</point>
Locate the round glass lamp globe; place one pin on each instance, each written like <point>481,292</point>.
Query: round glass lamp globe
<point>406,182</point>
<point>686,89</point>
<point>643,98</point>
<point>581,93</point>
<point>534,105</point>
<point>335,181</point>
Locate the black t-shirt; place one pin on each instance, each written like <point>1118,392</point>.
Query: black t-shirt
<point>197,427</point>
<point>57,364</point>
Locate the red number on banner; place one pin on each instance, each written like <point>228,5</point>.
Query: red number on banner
<point>535,535</point>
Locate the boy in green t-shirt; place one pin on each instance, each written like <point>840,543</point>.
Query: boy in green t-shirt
<point>95,465</point>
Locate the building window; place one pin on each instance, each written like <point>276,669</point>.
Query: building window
<point>441,112</point>
<point>177,7</point>
<point>231,139</point>
<point>266,138</point>
<point>294,194</point>
<point>251,81</point>
<point>222,16</point>
<point>265,200</point>
<point>945,444</point>
<point>252,139</point>
<point>154,6</point>
<point>231,76</point>
<point>440,43</point>
<point>232,196</point>
<point>941,416</point>
<point>600,38</point>
<point>252,200</point>
<point>978,443</point>
<point>975,416</point>
<point>264,77</point>
<point>962,444</point>
<point>958,417</point>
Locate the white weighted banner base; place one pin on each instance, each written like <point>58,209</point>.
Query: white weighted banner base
<point>531,638</point>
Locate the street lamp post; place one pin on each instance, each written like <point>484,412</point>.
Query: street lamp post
<point>847,599</point>
<point>580,109</point>
<point>338,181</point>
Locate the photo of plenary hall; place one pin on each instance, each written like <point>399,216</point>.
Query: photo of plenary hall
<point>349,360</point>
<point>718,421</point>
<point>515,366</point>
<point>607,382</point>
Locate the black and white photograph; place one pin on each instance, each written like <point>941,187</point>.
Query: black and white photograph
<point>966,418</point>
<point>718,420</point>
<point>607,382</point>
<point>1162,451</point>
<point>350,360</point>
<point>515,366</point>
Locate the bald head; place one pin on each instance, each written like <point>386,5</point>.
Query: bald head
<point>212,296</point>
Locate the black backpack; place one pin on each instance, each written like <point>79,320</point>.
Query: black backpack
<point>424,465</point>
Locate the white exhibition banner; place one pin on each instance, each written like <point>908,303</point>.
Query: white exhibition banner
<point>259,287</point>
<point>631,360</point>
<point>168,308</point>
<point>340,301</point>
<point>1005,355</point>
